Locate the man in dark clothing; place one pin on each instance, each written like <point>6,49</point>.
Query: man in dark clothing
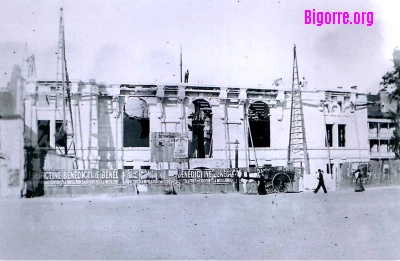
<point>320,182</point>
<point>235,181</point>
<point>187,76</point>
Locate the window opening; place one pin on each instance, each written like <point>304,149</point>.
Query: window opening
<point>60,134</point>
<point>200,146</point>
<point>136,124</point>
<point>43,133</point>
<point>259,123</point>
<point>329,168</point>
<point>342,135</point>
<point>329,128</point>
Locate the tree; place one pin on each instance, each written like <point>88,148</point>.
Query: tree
<point>392,80</point>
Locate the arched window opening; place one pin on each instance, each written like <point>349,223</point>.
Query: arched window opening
<point>259,123</point>
<point>200,145</point>
<point>136,123</point>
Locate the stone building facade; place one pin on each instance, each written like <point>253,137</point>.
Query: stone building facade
<point>187,126</point>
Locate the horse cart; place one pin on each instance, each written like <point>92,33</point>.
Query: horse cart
<point>276,179</point>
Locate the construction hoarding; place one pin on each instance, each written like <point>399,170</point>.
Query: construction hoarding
<point>126,177</point>
<point>374,173</point>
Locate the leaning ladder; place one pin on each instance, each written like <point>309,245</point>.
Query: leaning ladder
<point>248,131</point>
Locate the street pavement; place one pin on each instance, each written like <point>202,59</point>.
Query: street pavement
<point>337,225</point>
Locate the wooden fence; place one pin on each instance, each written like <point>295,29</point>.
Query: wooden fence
<point>374,174</point>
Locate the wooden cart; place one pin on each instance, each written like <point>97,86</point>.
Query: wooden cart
<point>277,179</point>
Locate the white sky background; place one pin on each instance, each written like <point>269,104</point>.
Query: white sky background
<point>241,42</point>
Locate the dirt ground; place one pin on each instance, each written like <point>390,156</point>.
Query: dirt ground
<point>337,225</point>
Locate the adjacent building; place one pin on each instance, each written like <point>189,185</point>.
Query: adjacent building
<point>12,158</point>
<point>381,125</point>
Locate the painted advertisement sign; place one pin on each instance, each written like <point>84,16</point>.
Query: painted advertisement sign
<point>206,176</point>
<point>169,147</point>
<point>117,178</point>
<point>125,177</point>
<point>181,148</point>
<point>81,177</point>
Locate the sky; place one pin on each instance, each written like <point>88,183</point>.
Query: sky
<point>239,42</point>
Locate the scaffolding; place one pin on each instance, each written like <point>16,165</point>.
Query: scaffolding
<point>297,150</point>
<point>67,128</point>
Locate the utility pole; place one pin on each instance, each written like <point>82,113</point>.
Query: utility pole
<point>181,63</point>
<point>61,53</point>
<point>297,150</point>
<point>236,154</point>
<point>68,130</point>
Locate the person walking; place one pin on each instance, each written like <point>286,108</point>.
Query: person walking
<point>320,182</point>
<point>359,185</point>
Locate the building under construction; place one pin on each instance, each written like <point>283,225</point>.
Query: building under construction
<point>186,126</point>
<point>190,126</point>
<point>119,134</point>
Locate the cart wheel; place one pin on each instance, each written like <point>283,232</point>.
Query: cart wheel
<point>280,182</point>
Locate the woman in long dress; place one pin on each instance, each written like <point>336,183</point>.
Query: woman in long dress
<point>261,186</point>
<point>359,185</point>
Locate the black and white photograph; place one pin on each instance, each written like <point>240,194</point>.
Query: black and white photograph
<point>199,130</point>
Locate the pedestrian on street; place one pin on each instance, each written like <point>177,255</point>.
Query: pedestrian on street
<point>261,185</point>
<point>137,190</point>
<point>359,185</point>
<point>24,188</point>
<point>320,182</point>
<point>237,181</point>
<point>235,185</point>
<point>244,183</point>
